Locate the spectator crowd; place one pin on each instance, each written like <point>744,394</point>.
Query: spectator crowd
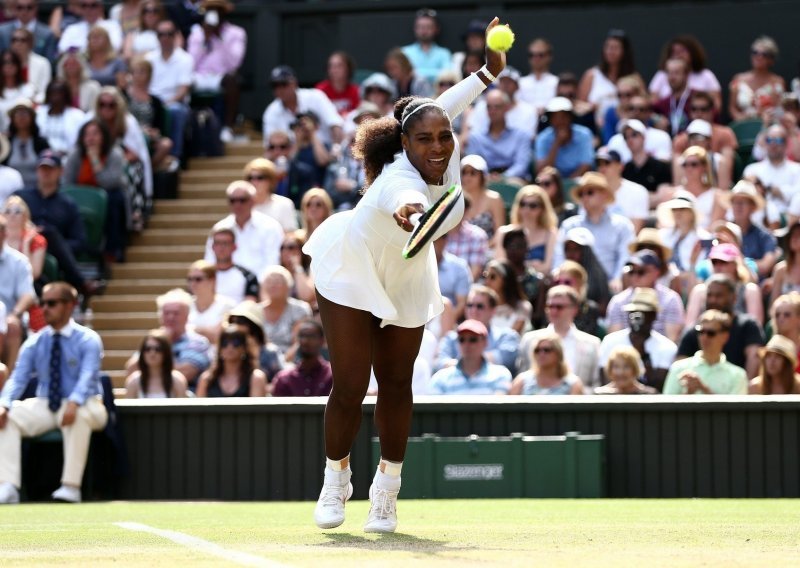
<point>618,236</point>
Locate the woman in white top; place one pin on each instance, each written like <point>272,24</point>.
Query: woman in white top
<point>155,377</point>
<point>698,179</point>
<point>678,229</point>
<point>373,303</point>
<point>701,78</point>
<point>208,308</point>
<point>38,68</point>
<point>264,177</point>
<point>12,85</point>
<point>598,85</point>
<point>144,39</point>
<point>57,120</point>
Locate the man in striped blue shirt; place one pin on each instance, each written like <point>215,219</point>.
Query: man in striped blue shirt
<point>64,357</point>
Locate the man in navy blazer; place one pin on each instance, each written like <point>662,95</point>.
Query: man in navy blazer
<point>44,42</point>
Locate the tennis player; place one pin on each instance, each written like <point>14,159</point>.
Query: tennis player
<point>373,302</point>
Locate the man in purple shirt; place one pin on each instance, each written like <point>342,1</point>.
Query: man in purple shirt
<point>312,374</point>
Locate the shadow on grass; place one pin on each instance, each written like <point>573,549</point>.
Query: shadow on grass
<point>389,541</point>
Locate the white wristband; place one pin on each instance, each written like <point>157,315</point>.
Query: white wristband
<point>487,73</point>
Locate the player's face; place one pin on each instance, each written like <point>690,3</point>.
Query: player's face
<point>429,143</point>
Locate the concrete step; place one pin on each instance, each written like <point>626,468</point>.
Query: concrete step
<point>122,339</point>
<point>178,253</point>
<point>142,321</point>
<point>250,150</point>
<point>191,206</point>
<point>150,270</point>
<point>235,162</point>
<point>192,220</point>
<point>179,236</point>
<point>144,286</point>
<point>114,359</point>
<point>118,382</point>
<point>222,177</point>
<point>122,305</point>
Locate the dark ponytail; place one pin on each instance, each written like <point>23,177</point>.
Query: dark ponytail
<point>377,141</point>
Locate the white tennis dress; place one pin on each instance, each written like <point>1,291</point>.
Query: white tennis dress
<point>356,256</point>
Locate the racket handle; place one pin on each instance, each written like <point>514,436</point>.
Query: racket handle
<point>414,218</point>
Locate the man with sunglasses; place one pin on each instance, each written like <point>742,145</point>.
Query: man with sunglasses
<point>708,370</point>
<point>779,175</point>
<point>65,360</point>
<point>293,176</point>
<point>580,349</point>
<point>657,143</point>
<point>472,373</point>
<point>44,42</point>
<point>501,342</point>
<point>77,35</point>
<point>744,336</point>
<point>539,86</point>
<point>630,198</point>
<point>642,168</point>
<point>723,139</point>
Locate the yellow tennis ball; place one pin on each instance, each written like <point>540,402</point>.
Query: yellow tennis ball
<point>500,38</point>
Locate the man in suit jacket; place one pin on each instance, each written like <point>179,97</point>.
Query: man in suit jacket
<point>580,349</point>
<point>44,42</point>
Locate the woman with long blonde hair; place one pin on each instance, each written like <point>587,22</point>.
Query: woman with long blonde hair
<point>534,214</point>
<point>698,179</point>
<point>105,65</point>
<point>315,206</point>
<point>549,373</point>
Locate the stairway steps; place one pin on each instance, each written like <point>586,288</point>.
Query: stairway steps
<point>123,339</point>
<point>115,359</point>
<point>157,270</point>
<point>124,303</point>
<point>192,220</point>
<point>170,207</point>
<point>176,253</point>
<point>130,320</point>
<point>224,163</point>
<point>163,237</point>
<point>144,285</point>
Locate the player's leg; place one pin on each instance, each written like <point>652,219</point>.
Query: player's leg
<point>394,352</point>
<point>349,335</point>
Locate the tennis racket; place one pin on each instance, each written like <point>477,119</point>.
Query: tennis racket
<point>428,222</point>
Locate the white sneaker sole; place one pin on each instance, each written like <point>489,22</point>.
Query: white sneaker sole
<point>381,526</point>
<point>335,523</point>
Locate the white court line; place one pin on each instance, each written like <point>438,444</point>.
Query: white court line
<point>205,546</point>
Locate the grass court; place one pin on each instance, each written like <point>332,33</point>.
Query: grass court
<point>516,532</point>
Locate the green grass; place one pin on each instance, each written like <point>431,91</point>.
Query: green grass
<point>448,533</point>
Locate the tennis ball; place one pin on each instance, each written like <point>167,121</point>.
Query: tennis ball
<point>500,38</point>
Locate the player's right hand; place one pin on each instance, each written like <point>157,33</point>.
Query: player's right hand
<point>402,215</point>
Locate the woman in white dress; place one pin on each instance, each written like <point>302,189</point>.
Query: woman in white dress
<point>373,303</point>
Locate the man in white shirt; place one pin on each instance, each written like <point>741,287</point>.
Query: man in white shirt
<point>538,87</point>
<point>289,101</point>
<point>258,236</point>
<point>76,35</point>
<point>630,199</point>
<point>657,143</point>
<point>656,350</point>
<point>777,173</point>
<point>172,80</point>
<point>580,349</point>
<point>520,114</point>
<point>233,281</point>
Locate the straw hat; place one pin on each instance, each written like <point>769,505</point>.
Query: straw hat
<point>747,189</point>
<point>642,300</point>
<point>782,346</point>
<point>652,239</point>
<point>249,310</point>
<point>592,180</point>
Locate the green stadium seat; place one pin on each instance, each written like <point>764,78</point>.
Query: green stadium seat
<point>746,130</point>
<point>566,190</point>
<point>92,203</point>
<point>51,271</point>
<point>360,74</point>
<point>508,191</point>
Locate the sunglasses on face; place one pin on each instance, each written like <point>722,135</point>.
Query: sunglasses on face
<point>446,83</point>
<point>538,54</point>
<point>90,5</point>
<point>636,272</point>
<point>638,109</point>
<point>290,246</point>
<point>468,339</point>
<point>469,172</point>
<point>315,204</point>
<point>24,7</point>
<point>235,200</point>
<point>13,211</point>
<point>759,53</point>
<point>700,108</point>
<point>564,282</point>
<point>150,11</point>
<point>476,305</point>
<point>705,331</point>
<point>555,307</point>
<point>692,164</point>
<point>540,350</point>
<point>629,135</point>
<point>19,40</point>
<point>222,243</point>
<point>107,104</point>
<point>627,94</point>
<point>586,193</point>
<point>152,349</point>
<point>530,205</point>
<point>775,140</point>
<point>231,341</point>
<point>278,147</point>
<point>256,177</point>
<point>52,303</point>
<point>718,262</point>
<point>195,279</point>
<point>544,182</point>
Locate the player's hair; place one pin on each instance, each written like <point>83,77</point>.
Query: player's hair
<point>377,141</point>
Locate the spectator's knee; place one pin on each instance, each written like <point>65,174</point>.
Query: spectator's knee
<point>14,331</point>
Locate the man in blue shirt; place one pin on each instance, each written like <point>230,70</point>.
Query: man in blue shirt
<point>506,148</point>
<point>757,243</point>
<point>472,374</point>
<point>65,359</point>
<point>564,145</point>
<point>427,58</point>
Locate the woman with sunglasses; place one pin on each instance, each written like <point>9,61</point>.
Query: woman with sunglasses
<point>235,372</point>
<point>711,203</point>
<point>208,308</point>
<point>549,179</point>
<point>486,209</point>
<point>754,91</point>
<point>143,39</point>
<point>151,114</point>
<point>293,260</point>
<point>573,274</point>
<point>533,213</point>
<point>374,303</point>
<point>549,373</point>
<point>513,309</point>
<point>249,318</point>
<point>264,177</point>
<point>156,377</point>
<point>315,206</point>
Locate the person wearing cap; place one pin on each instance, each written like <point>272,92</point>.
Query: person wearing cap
<point>218,48</point>
<point>746,333</point>
<point>426,56</point>
<point>311,374</point>
<point>339,86</point>
<point>657,143</point>
<point>612,232</point>
<point>708,370</point>
<point>679,232</point>
<point>757,243</point>
<point>777,373</point>
<point>379,89</point>
<point>630,199</point>
<point>723,139</point>
<point>248,316</point>
<point>579,349</point>
<point>472,373</point>
<point>258,236</point>
<point>506,148</point>
<point>518,113</point>
<point>675,107</point>
<point>655,349</point>
<point>539,86</point>
<point>290,100</point>
<point>644,269</point>
<point>487,209</point>
<point>76,35</point>
<point>642,168</point>
<point>171,80</point>
<point>699,134</point>
<point>565,145</point>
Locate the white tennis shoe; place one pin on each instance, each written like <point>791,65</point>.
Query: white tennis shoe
<point>383,510</point>
<point>8,493</point>
<point>67,494</point>
<point>336,490</point>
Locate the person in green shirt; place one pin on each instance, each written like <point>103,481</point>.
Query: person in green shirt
<point>708,372</point>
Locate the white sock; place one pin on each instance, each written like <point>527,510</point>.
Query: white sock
<point>338,465</point>
<point>390,468</point>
